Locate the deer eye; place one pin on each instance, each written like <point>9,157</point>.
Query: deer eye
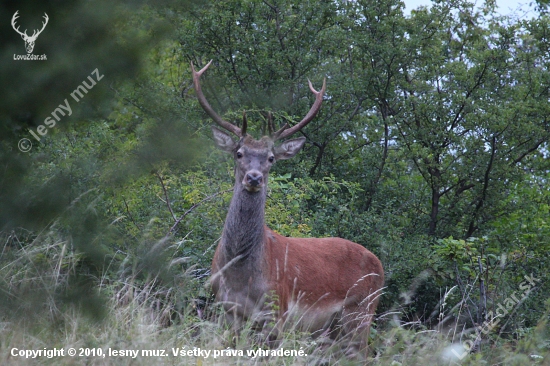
<point>271,159</point>
<point>239,154</point>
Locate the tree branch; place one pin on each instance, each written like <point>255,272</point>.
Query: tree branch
<point>530,150</point>
<point>173,228</point>
<point>166,196</point>
<point>129,214</point>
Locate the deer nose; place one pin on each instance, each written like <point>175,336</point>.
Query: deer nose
<point>254,179</point>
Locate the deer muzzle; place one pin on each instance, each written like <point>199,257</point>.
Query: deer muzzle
<point>253,181</point>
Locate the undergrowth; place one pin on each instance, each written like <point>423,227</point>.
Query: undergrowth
<point>41,310</point>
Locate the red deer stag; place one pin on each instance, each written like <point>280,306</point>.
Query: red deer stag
<point>324,286</point>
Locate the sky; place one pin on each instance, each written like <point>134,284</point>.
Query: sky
<point>504,7</point>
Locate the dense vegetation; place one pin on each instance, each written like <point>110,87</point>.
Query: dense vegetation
<point>431,150</point>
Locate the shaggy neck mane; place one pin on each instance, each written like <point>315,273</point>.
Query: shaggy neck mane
<point>244,226</point>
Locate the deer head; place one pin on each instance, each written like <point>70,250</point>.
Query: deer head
<point>29,41</point>
<point>254,158</point>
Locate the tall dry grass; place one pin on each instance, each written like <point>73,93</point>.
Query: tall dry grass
<point>145,315</point>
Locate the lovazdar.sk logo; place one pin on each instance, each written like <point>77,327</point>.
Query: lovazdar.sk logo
<point>29,40</point>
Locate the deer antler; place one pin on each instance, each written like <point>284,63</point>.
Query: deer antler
<point>43,26</point>
<point>24,34</point>
<point>13,19</point>
<point>286,132</point>
<point>208,109</point>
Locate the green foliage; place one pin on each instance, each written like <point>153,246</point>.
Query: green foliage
<point>284,212</point>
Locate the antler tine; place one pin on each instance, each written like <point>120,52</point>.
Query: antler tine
<point>270,127</point>
<point>37,32</point>
<point>206,106</point>
<point>245,124</point>
<point>286,132</point>
<point>44,23</point>
<point>277,135</point>
<point>13,19</point>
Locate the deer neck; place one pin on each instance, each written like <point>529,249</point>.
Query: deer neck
<point>244,230</point>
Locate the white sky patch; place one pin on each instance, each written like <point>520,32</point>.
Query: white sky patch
<point>520,8</point>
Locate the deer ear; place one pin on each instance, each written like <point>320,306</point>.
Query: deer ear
<point>289,148</point>
<point>223,140</point>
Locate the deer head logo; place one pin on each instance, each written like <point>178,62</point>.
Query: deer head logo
<point>29,41</point>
